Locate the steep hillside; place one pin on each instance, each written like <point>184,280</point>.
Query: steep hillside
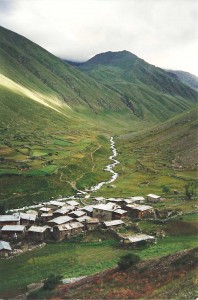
<point>164,155</point>
<point>29,66</point>
<point>170,277</point>
<point>150,92</point>
<point>186,78</point>
<point>50,120</point>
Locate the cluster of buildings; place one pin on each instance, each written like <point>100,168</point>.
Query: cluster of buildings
<point>60,220</point>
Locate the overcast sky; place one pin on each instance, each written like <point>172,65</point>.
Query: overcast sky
<point>162,32</point>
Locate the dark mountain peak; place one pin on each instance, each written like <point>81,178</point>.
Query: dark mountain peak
<point>120,58</point>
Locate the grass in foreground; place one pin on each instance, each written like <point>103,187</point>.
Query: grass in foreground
<point>76,259</point>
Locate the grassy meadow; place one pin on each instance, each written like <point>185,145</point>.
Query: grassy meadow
<point>85,257</point>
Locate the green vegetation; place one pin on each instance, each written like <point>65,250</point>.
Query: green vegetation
<point>77,259</point>
<point>127,261</point>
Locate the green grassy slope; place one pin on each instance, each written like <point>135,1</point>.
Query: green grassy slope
<point>163,155</point>
<point>50,120</point>
<point>32,67</point>
<point>150,92</point>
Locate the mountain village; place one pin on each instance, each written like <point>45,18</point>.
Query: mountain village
<point>59,220</point>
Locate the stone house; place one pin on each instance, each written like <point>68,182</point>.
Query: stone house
<point>104,212</point>
<point>38,233</point>
<point>26,219</point>
<point>60,220</point>
<point>61,211</point>
<point>73,203</point>
<point>56,204</point>
<point>65,231</point>
<point>119,213</point>
<point>45,210</point>
<point>138,239</point>
<point>77,214</point>
<point>140,211</point>
<point>5,249</point>
<point>9,220</point>
<point>46,217</point>
<point>153,198</point>
<point>88,209</point>
<point>92,224</point>
<point>113,223</point>
<point>13,232</point>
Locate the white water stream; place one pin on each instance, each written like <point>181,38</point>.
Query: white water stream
<point>108,168</point>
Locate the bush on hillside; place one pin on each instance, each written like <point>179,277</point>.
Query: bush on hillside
<point>52,281</point>
<point>128,260</point>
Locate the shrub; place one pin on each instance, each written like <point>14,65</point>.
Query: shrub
<point>128,260</point>
<point>52,281</point>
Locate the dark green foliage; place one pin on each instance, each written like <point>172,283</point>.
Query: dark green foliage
<point>52,281</point>
<point>165,189</point>
<point>128,260</point>
<point>191,190</point>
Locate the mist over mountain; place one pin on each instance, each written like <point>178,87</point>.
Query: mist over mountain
<point>186,78</point>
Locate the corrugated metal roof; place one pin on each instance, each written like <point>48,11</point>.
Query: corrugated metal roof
<point>62,210</point>
<point>138,198</point>
<point>84,218</point>
<point>13,228</point>
<point>102,207</point>
<point>139,207</point>
<point>5,246</point>
<point>56,203</point>
<point>45,209</point>
<point>37,229</point>
<point>113,223</point>
<point>25,216</point>
<point>9,218</point>
<point>78,213</point>
<point>120,211</point>
<point>46,215</point>
<point>153,196</point>
<point>73,203</point>
<point>61,220</point>
<point>88,208</point>
<point>140,237</point>
<point>70,226</point>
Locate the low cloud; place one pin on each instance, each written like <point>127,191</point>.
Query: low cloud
<point>164,33</point>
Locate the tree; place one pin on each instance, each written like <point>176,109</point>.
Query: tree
<point>165,189</point>
<point>191,190</point>
<point>128,260</point>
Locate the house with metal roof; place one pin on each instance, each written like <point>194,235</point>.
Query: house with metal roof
<point>104,212</point>
<point>113,223</point>
<point>65,231</point>
<point>138,239</point>
<point>77,213</point>
<point>119,213</point>
<point>138,211</point>
<point>9,220</point>
<point>54,204</point>
<point>5,249</point>
<point>38,233</point>
<point>88,209</point>
<point>73,203</point>
<point>61,211</point>
<point>26,219</point>
<point>153,198</point>
<point>60,220</point>
<point>13,232</point>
